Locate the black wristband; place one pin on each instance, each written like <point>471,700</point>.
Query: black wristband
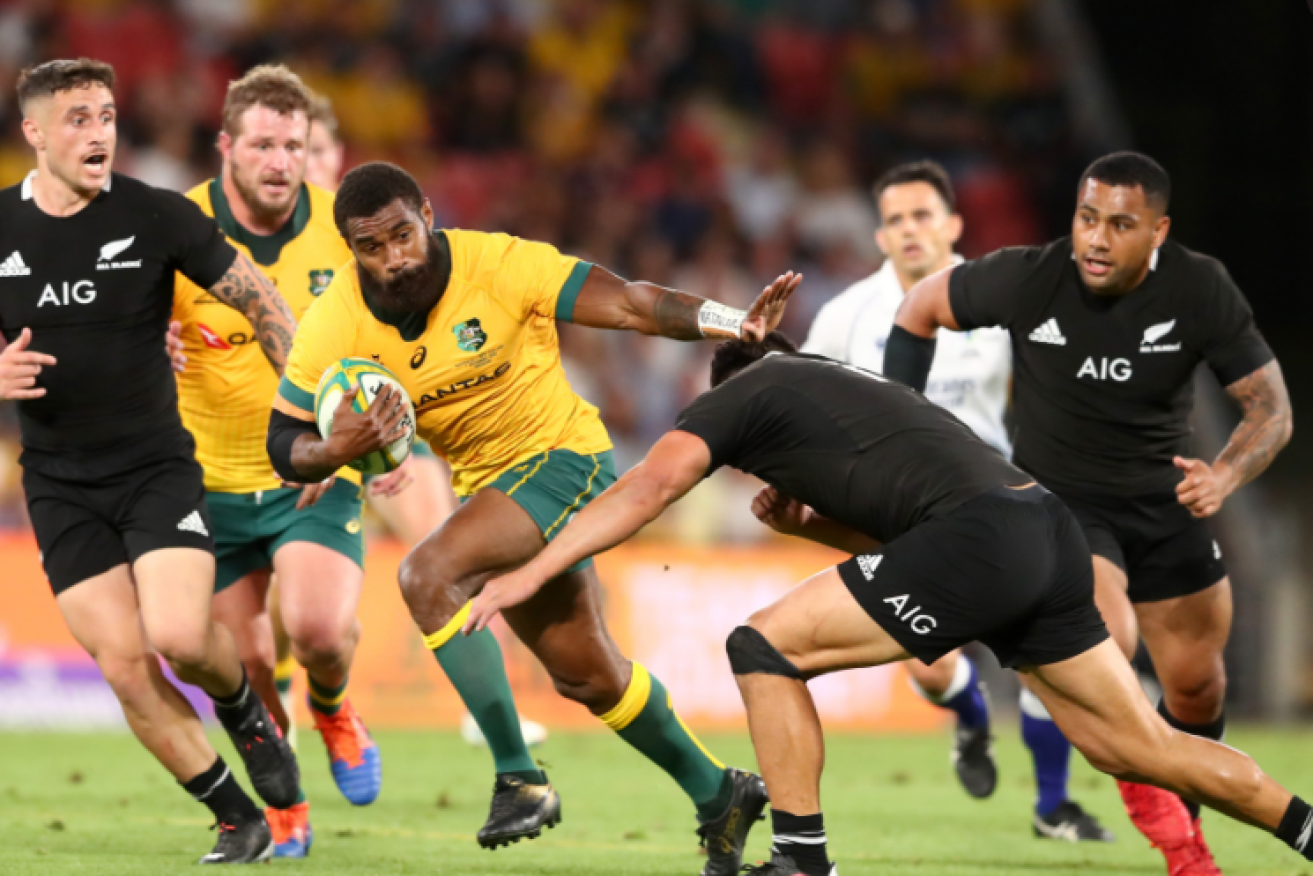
<point>283,432</point>
<point>907,358</point>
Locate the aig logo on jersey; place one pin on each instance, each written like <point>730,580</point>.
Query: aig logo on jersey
<point>1103,368</point>
<point>111,251</point>
<point>81,292</point>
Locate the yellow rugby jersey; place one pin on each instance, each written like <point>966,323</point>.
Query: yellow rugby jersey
<point>483,370</point>
<point>225,391</point>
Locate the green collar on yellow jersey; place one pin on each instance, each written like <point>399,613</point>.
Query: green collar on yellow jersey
<point>265,249</point>
<point>412,323</point>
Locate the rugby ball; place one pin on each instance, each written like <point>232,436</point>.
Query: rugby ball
<point>372,378</point>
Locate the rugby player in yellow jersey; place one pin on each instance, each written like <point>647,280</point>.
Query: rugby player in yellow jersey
<point>416,504</point>
<point>466,321</point>
<point>262,526</point>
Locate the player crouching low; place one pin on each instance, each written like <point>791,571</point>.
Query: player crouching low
<point>973,549</point>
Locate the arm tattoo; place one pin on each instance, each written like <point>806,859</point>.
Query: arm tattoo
<point>1265,427</point>
<point>676,315</point>
<point>244,288</point>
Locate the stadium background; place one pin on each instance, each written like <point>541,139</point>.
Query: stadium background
<point>711,145</point>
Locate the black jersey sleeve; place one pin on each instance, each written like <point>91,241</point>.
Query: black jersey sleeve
<point>197,247</point>
<point>717,418</point>
<point>1226,336</point>
<point>988,291</point>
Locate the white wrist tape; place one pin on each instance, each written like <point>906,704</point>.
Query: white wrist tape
<point>720,318</point>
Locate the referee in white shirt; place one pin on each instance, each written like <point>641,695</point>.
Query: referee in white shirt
<point>970,377</point>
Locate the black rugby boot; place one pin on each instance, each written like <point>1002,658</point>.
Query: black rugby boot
<point>269,759</point>
<point>781,865</point>
<point>519,811</point>
<point>724,836</point>
<point>973,759</point>
<point>1070,823</point>
<point>241,841</point>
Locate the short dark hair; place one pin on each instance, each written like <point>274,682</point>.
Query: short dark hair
<point>52,77</point>
<point>369,188</point>
<point>1132,170</point>
<point>930,172</point>
<point>731,357</point>
<point>268,85</point>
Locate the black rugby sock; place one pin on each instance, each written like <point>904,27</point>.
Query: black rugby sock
<point>217,788</point>
<point>802,838</point>
<point>1296,827</point>
<point>1213,730</point>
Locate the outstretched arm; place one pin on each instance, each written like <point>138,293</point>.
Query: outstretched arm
<point>910,350</point>
<point>673,467</point>
<point>608,301</point>
<point>246,289</point>
<point>1261,433</point>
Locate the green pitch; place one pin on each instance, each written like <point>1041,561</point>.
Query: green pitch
<point>93,804</point>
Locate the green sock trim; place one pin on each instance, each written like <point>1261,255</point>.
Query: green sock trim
<point>283,685</point>
<point>475,667</point>
<point>326,700</point>
<point>300,796</point>
<point>658,733</point>
<point>532,777</point>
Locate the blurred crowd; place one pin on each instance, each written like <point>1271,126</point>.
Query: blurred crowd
<point>707,145</point>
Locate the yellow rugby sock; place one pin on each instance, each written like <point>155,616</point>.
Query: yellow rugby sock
<point>646,719</point>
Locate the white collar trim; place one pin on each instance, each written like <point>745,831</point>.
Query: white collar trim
<point>26,191</point>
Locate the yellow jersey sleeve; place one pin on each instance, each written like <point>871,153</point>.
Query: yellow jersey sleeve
<point>529,278</point>
<point>327,333</point>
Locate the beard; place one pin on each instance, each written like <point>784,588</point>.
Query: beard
<point>252,197</point>
<point>414,290</point>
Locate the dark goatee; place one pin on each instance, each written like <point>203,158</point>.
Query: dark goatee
<point>414,290</point>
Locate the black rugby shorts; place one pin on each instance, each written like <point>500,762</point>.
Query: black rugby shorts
<point>86,528</point>
<point>1009,569</point>
<point>1164,550</point>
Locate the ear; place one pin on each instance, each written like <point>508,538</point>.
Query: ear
<point>1163,225</point>
<point>225,144</point>
<point>427,212</point>
<point>880,241</point>
<point>954,228</point>
<point>32,133</point>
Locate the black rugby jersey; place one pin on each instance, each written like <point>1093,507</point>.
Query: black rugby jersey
<point>854,446</point>
<point>1103,384</point>
<point>96,289</point>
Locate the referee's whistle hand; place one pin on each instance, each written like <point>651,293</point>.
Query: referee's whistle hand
<point>1201,490</point>
<point>19,368</point>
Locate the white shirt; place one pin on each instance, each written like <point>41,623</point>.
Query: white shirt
<point>971,371</point>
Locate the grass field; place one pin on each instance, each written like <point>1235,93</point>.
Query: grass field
<point>97,804</point>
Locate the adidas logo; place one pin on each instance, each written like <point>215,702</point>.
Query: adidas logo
<point>1049,333</point>
<point>14,266</point>
<point>193,523</point>
<point>868,563</point>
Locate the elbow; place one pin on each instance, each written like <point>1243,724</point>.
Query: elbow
<point>1286,430</point>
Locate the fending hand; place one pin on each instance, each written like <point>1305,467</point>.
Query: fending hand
<point>19,368</point>
<point>767,311</point>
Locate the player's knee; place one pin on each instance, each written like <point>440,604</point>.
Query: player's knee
<point>1196,695</point>
<point>321,641</point>
<point>183,647</point>
<point>751,653</point>
<point>128,675</point>
<point>422,578</point>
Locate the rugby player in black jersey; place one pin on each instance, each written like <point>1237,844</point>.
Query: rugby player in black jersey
<point>1107,328</point>
<point>973,549</point>
<point>113,489</point>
